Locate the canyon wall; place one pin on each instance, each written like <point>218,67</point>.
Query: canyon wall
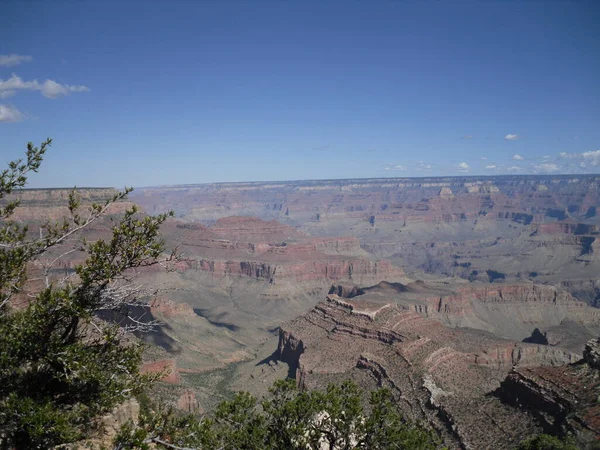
<point>443,375</point>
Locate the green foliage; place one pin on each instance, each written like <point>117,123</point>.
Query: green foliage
<point>289,419</point>
<point>159,424</point>
<point>546,442</point>
<point>384,428</point>
<point>60,364</point>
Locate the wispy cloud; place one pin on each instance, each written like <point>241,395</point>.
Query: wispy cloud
<point>13,60</point>
<point>421,165</point>
<point>553,163</point>
<point>565,155</point>
<point>511,137</point>
<point>49,88</point>
<point>463,167</point>
<point>10,114</point>
<point>579,160</point>
<point>546,168</point>
<point>468,136</point>
<point>395,167</point>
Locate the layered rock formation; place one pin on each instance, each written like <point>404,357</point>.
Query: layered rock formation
<point>40,205</point>
<point>268,250</point>
<point>512,311</point>
<point>563,398</point>
<point>398,199</point>
<point>506,228</point>
<point>509,310</point>
<point>440,374</point>
<point>167,367</point>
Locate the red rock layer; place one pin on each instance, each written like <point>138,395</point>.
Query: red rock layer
<point>163,307</point>
<point>166,365</point>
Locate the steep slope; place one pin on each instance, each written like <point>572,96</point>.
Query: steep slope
<point>563,397</point>
<point>440,374</point>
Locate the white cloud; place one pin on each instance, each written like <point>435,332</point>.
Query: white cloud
<point>7,93</point>
<point>49,89</point>
<point>511,137</point>
<point>568,163</point>
<point>592,157</point>
<point>515,169</point>
<point>421,165</point>
<point>10,114</point>
<point>566,155</point>
<point>13,60</point>
<point>491,166</point>
<point>547,167</point>
<point>395,167</point>
<point>518,158</point>
<point>463,167</point>
<point>574,162</point>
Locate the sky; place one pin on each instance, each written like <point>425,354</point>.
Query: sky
<point>145,93</point>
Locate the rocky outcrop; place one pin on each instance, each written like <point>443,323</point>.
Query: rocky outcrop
<point>345,291</point>
<point>337,245</point>
<point>562,399</point>
<point>107,427</point>
<point>253,229</point>
<point>566,228</point>
<point>508,310</point>
<point>39,205</point>
<point>360,270</point>
<point>442,375</point>
<point>188,402</point>
<point>289,351</point>
<point>111,424</point>
<point>274,252</point>
<point>163,307</point>
<point>591,354</point>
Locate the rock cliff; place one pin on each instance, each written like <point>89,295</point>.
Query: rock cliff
<point>499,229</point>
<point>441,374</point>
<point>562,399</point>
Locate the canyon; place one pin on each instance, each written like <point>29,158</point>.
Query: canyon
<point>453,292</point>
<point>476,389</point>
<point>540,228</point>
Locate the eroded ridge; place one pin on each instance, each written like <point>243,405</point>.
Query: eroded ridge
<point>446,376</point>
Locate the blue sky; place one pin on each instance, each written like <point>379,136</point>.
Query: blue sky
<point>148,93</point>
